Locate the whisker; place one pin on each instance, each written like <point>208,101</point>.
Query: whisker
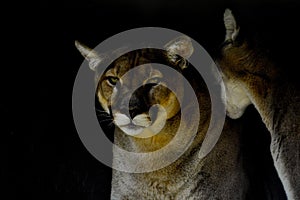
<point>105,120</point>
<point>101,111</point>
<point>103,115</point>
<point>110,124</point>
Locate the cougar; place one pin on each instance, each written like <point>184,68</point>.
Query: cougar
<point>252,78</point>
<point>152,119</point>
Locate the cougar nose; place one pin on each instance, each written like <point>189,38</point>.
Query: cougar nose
<point>133,110</point>
<point>137,103</point>
<point>135,107</point>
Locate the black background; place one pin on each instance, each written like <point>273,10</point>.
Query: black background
<point>43,157</point>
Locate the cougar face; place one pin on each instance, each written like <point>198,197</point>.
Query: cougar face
<point>135,93</point>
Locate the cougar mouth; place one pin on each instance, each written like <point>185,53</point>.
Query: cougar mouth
<point>133,126</point>
<point>142,125</point>
<point>132,130</point>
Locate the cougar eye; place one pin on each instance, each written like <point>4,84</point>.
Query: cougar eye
<point>112,80</point>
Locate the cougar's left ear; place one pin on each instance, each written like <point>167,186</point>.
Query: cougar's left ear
<point>179,46</point>
<point>90,55</point>
<point>232,30</point>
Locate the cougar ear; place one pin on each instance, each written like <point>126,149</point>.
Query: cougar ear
<point>179,46</point>
<point>89,54</point>
<point>232,30</point>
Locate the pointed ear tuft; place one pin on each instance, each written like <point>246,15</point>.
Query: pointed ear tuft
<point>89,54</point>
<point>232,30</point>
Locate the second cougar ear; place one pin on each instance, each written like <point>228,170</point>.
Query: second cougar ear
<point>179,46</point>
<point>232,30</point>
